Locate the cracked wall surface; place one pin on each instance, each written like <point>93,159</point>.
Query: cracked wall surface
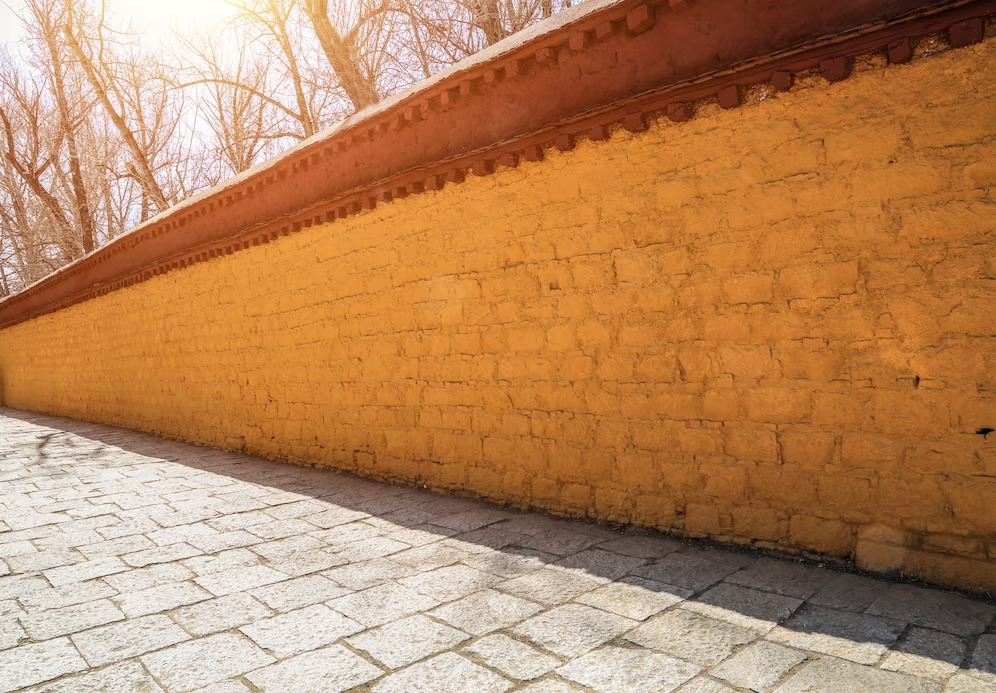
<point>772,325</point>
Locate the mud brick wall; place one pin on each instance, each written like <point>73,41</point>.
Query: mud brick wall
<point>771,325</point>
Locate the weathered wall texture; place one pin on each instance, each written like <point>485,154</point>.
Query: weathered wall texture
<point>774,324</point>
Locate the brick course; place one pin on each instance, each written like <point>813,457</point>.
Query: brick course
<point>771,325</point>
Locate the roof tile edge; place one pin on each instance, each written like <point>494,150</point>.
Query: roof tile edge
<point>603,62</point>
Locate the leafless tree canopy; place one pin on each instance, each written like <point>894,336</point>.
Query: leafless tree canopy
<point>98,132</point>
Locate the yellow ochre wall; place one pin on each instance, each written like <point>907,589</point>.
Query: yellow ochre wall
<point>774,324</point>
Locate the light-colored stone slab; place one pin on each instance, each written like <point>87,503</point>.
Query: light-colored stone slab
<point>161,598</point>
<point>239,579</point>
<point>194,664</point>
<point>366,574</point>
<point>684,570</point>
<point>43,625</point>
<point>445,673</point>
<point>299,592</point>
<point>859,638</point>
<point>88,570</point>
<point>379,605</point>
<point>514,659</point>
<point>636,598</point>
<point>301,630</point>
<point>926,653</point>
<point>486,611</point>
<point>549,586</point>
<point>127,639</point>
<point>598,564</point>
<point>759,666</point>
<point>226,560</point>
<point>408,640</point>
<point>744,606</point>
<point>125,676</point>
<point>223,613</point>
<point>450,582</point>
<point>145,578</point>
<point>328,670</point>
<point>621,670</point>
<point>573,629</point>
<point>694,638</point>
<point>30,664</point>
<point>829,675</point>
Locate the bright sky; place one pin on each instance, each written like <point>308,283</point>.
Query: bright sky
<point>154,18</point>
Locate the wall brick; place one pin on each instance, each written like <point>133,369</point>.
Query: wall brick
<point>770,324</point>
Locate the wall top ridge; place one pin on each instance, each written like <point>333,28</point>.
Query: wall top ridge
<point>599,63</point>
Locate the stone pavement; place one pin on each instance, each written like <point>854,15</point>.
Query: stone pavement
<point>131,563</point>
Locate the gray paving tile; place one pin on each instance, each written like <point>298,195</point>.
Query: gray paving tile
<point>933,609</point>
<point>486,611</point>
<point>635,597</point>
<point>125,676</point>
<point>641,547</point>
<point>830,675</point>
<point>743,606</point>
<point>682,570</point>
<point>407,640</point>
<point>17,586</point>
<point>378,605</point>
<point>298,592</point>
<point>377,571</point>
<point>573,629</point>
<point>623,670</point>
<point>57,597</point>
<point>223,613</point>
<point>598,564</point>
<point>512,658</point>
<point>43,625</point>
<point>301,630</point>
<point>37,662</point>
<point>983,662</point>
<point>966,683</point>
<point>193,664</point>
<point>849,592</point>
<point>116,547</point>
<point>161,598</point>
<point>160,554</point>
<point>926,653</point>
<point>226,560</point>
<point>140,579</point>
<point>445,673</point>
<point>329,670</point>
<point>430,557</point>
<point>781,577</point>
<point>698,639</point>
<point>11,633</point>
<point>450,582</point>
<point>239,579</point>
<point>549,586</point>
<point>127,639</point>
<point>759,666</point>
<point>859,638</point>
<point>509,563</point>
<point>307,562</point>
<point>68,575</point>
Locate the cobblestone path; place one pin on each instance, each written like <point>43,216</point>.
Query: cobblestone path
<point>131,563</point>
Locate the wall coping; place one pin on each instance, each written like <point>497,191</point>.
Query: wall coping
<point>601,64</point>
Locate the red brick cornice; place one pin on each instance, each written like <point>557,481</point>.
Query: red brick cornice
<point>600,64</point>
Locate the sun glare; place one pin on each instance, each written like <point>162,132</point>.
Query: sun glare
<point>155,20</point>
